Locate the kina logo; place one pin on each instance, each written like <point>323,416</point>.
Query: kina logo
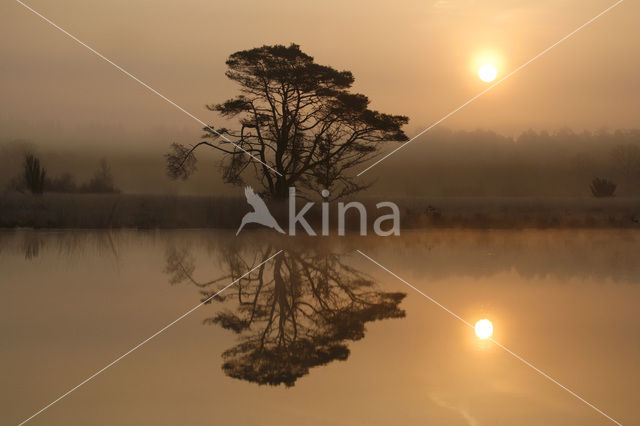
<point>262,216</point>
<point>260,213</point>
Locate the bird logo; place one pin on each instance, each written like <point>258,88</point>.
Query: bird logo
<point>260,213</point>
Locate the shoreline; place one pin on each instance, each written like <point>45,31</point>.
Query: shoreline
<point>130,211</point>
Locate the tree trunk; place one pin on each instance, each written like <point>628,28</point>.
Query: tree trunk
<point>281,189</point>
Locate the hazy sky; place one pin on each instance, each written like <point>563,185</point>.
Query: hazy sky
<point>417,58</point>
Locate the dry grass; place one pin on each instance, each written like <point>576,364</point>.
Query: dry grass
<point>119,211</point>
<point>154,211</point>
<point>523,212</point>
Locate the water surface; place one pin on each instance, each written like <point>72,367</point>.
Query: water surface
<point>319,335</point>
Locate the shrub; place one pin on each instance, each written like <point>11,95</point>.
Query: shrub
<point>602,188</point>
<point>102,181</point>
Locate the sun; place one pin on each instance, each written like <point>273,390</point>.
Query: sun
<point>487,73</point>
<point>484,329</point>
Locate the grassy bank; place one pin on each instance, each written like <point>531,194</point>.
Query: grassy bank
<point>154,211</point>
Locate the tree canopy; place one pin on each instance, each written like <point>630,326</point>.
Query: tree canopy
<point>296,116</point>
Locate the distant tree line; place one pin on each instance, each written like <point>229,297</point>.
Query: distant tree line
<point>442,163</point>
<point>34,179</point>
<point>484,163</point>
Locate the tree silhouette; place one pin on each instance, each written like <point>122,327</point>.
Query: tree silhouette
<point>34,174</point>
<point>291,314</point>
<point>298,117</point>
<point>102,180</point>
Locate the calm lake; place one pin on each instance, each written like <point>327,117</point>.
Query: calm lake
<point>319,334</point>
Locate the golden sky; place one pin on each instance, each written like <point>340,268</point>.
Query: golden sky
<point>417,58</point>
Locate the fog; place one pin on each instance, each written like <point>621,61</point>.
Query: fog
<point>417,59</point>
<point>442,163</point>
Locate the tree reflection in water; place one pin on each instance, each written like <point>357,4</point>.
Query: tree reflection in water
<point>293,313</point>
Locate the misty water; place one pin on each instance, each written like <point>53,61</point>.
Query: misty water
<point>319,335</point>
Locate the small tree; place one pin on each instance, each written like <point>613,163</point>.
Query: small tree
<point>601,188</point>
<point>34,174</point>
<point>299,118</point>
